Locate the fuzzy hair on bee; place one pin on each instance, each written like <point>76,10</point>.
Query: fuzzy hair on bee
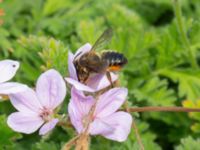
<point>115,60</point>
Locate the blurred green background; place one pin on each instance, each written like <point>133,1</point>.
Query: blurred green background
<point>163,68</point>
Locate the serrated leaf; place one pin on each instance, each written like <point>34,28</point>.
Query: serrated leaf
<point>189,144</point>
<point>8,136</point>
<point>52,6</point>
<point>155,92</point>
<point>45,146</point>
<point>149,145</point>
<point>188,82</point>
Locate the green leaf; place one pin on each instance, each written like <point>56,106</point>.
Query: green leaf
<point>45,146</point>
<point>8,136</point>
<point>188,82</point>
<point>155,92</point>
<point>150,145</point>
<point>196,116</point>
<point>52,6</point>
<point>189,144</point>
<point>55,55</point>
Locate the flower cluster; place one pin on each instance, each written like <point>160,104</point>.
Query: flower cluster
<point>106,120</point>
<point>37,108</point>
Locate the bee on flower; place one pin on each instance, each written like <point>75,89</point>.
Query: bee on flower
<point>91,71</point>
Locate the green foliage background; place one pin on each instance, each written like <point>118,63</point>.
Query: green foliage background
<point>39,34</point>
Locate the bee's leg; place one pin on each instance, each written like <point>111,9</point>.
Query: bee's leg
<point>108,75</point>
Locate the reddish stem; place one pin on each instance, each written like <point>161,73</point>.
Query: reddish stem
<point>164,109</point>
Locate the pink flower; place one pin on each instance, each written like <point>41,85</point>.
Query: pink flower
<point>36,108</point>
<point>106,121</point>
<point>94,83</point>
<point>8,69</point>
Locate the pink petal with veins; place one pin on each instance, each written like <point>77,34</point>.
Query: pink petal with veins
<point>116,127</point>
<point>47,127</point>
<point>110,101</point>
<point>26,102</point>
<point>79,106</point>
<point>24,123</point>
<point>51,89</point>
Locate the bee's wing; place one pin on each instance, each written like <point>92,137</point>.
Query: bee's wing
<point>102,40</point>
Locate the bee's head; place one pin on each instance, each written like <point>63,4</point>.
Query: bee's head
<point>83,60</point>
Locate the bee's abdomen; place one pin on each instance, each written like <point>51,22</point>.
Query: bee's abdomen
<point>115,60</point>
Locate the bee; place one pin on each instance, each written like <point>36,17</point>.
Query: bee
<point>99,63</point>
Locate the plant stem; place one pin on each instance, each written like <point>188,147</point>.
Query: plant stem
<point>185,41</point>
<point>134,126</point>
<point>165,109</point>
<point>70,143</point>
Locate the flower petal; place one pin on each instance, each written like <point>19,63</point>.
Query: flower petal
<point>48,126</point>
<point>100,81</point>
<point>12,87</point>
<point>26,102</point>
<point>94,80</point>
<point>104,82</point>
<point>82,50</point>
<point>24,123</point>
<point>110,101</point>
<point>78,85</point>
<point>119,122</point>
<point>100,127</point>
<point>79,107</point>
<point>75,118</point>
<point>51,89</point>
<point>8,69</point>
<point>71,67</point>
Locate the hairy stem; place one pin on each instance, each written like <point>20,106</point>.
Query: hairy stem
<point>134,126</point>
<point>185,41</point>
<point>70,143</point>
<point>165,109</point>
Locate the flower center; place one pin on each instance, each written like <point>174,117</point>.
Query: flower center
<point>86,119</point>
<point>46,114</point>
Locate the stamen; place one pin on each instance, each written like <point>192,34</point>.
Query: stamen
<point>46,114</point>
<point>85,120</point>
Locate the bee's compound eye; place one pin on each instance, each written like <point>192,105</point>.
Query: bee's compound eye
<point>83,60</point>
<point>95,58</point>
